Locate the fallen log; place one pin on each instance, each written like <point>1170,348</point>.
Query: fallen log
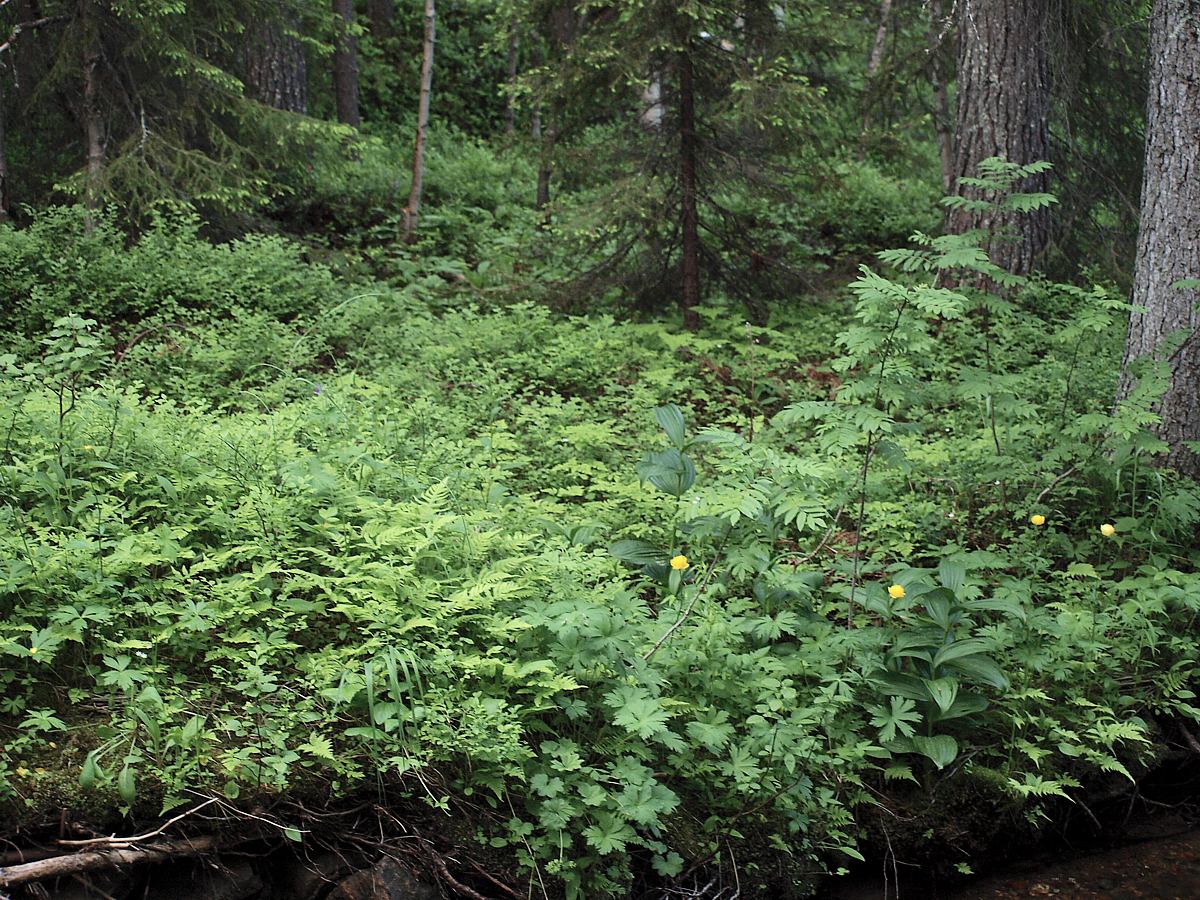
<point>91,860</point>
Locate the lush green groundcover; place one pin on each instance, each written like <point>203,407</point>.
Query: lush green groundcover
<point>596,578</point>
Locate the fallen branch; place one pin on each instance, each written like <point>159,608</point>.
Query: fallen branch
<point>91,860</point>
<point>115,841</point>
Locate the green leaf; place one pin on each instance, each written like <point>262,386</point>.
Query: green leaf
<point>940,748</point>
<point>937,604</point>
<point>125,785</point>
<point>293,834</point>
<point>982,668</point>
<point>636,553</point>
<point>959,649</point>
<point>942,690</point>
<point>670,417</point>
<point>91,772</point>
<point>951,573</point>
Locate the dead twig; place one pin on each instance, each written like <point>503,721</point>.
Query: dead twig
<point>114,841</point>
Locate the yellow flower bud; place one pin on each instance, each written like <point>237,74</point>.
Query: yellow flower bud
<point>679,563</point>
<point>896,591</point>
<point>1107,529</point>
<point>33,651</point>
<point>1037,519</point>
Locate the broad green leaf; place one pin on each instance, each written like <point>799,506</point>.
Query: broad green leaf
<point>941,748</point>
<point>636,553</point>
<point>670,417</point>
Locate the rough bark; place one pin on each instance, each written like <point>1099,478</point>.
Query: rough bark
<point>276,73</point>
<point>345,64</point>
<point>1003,110</point>
<point>1169,235</point>
<point>418,166</point>
<point>93,122</point>
<point>939,29</point>
<point>380,14</point>
<point>689,300</point>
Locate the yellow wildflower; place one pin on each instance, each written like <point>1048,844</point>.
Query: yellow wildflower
<point>33,651</point>
<point>896,591</point>
<point>22,771</point>
<point>1108,529</point>
<point>1037,519</point>
<point>679,563</point>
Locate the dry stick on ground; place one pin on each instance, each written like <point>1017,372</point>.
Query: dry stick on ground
<point>90,860</point>
<point>115,841</point>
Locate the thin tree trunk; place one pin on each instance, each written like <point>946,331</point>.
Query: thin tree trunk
<point>1169,237</point>
<point>510,108</point>
<point>689,300</point>
<point>93,125</point>
<point>1003,110</point>
<point>380,13</point>
<point>874,62</point>
<point>876,58</point>
<point>418,166</point>
<point>4,198</point>
<point>345,64</point>
<point>276,72</point>
<point>939,27</point>
<point>546,164</point>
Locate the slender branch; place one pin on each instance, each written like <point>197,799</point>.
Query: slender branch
<point>712,566</point>
<point>1052,485</point>
<point>114,841</point>
<point>28,26</point>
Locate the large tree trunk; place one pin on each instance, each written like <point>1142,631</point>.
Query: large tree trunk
<point>380,14</point>
<point>689,300</point>
<point>276,73</point>
<point>1003,110</point>
<point>1169,237</point>
<point>939,29</point>
<point>418,166</point>
<point>345,64</point>
<point>93,122</point>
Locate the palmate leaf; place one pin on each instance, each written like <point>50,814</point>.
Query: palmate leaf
<point>609,834</point>
<point>900,715</point>
<point>637,712</point>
